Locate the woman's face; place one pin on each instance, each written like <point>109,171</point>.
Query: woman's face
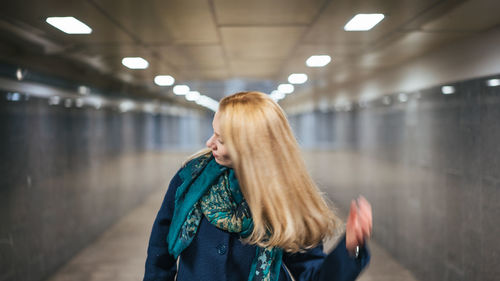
<point>216,144</point>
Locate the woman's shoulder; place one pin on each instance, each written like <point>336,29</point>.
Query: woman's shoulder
<point>197,156</point>
<point>193,165</point>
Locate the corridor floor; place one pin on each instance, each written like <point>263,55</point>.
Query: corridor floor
<point>119,253</point>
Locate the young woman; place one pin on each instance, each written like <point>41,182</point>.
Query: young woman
<point>246,208</point>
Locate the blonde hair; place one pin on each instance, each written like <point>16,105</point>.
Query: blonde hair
<point>287,207</point>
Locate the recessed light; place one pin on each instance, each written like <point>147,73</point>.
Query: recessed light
<point>126,106</point>
<point>203,100</point>
<point>447,90</point>
<point>181,90</point>
<point>363,22</point>
<point>164,80</point>
<point>193,95</point>
<point>402,97</point>
<point>297,78</point>
<point>318,60</point>
<point>277,95</point>
<point>286,88</point>
<point>149,107</point>
<point>493,82</point>
<point>69,25</point>
<point>135,63</point>
<point>207,102</point>
<point>79,103</point>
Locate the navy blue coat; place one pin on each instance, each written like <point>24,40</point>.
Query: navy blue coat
<point>217,255</point>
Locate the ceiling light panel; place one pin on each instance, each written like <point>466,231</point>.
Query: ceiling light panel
<point>363,22</point>
<point>286,88</point>
<point>181,90</point>
<point>193,96</point>
<point>164,80</point>
<point>69,25</point>
<point>447,90</point>
<point>318,60</point>
<point>297,78</point>
<point>493,82</point>
<point>135,63</point>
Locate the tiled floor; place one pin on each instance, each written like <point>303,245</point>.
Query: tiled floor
<point>119,254</point>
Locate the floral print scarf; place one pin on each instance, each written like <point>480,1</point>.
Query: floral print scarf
<point>212,190</point>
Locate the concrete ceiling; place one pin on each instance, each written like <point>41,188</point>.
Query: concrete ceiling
<point>221,46</point>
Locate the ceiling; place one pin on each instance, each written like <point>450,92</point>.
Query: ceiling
<point>221,46</point>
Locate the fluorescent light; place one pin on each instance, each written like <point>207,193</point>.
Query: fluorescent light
<point>83,90</point>
<point>20,74</point>
<point>94,100</point>
<point>207,102</point>
<point>13,96</point>
<point>277,95</point>
<point>164,80</point>
<point>54,100</point>
<point>69,25</point>
<point>181,89</point>
<point>363,22</point>
<point>203,100</point>
<point>297,78</point>
<point>402,97</point>
<point>135,62</point>
<point>286,88</point>
<point>126,106</point>
<point>448,90</point>
<point>79,103</point>
<point>192,95</point>
<point>493,82</point>
<point>318,60</point>
<point>149,107</point>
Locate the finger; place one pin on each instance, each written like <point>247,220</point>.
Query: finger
<point>365,210</point>
<point>359,236</point>
<point>351,227</point>
<point>352,213</point>
<point>364,224</point>
<point>364,217</point>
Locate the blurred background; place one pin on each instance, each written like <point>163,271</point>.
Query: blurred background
<point>102,100</point>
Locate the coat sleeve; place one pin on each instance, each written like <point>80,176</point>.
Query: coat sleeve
<point>160,265</point>
<point>339,265</point>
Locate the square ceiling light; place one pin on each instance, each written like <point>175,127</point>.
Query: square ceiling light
<point>363,22</point>
<point>69,25</point>
<point>135,63</point>
<point>297,78</point>
<point>318,60</point>
<point>448,90</point>
<point>181,89</point>
<point>164,80</point>
<point>493,82</point>
<point>192,95</point>
<point>286,88</point>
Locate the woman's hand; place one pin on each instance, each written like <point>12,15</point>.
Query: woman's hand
<point>359,224</point>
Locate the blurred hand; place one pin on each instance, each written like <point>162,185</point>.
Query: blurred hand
<point>359,223</point>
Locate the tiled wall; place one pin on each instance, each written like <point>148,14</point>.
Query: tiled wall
<point>430,167</point>
<point>67,174</point>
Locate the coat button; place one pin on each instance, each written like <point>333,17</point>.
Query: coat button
<point>221,249</point>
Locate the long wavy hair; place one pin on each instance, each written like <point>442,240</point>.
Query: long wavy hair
<point>288,209</point>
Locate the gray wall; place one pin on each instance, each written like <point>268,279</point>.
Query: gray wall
<point>67,174</point>
<point>430,167</point>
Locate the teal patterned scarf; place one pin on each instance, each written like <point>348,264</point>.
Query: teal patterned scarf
<point>212,190</point>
